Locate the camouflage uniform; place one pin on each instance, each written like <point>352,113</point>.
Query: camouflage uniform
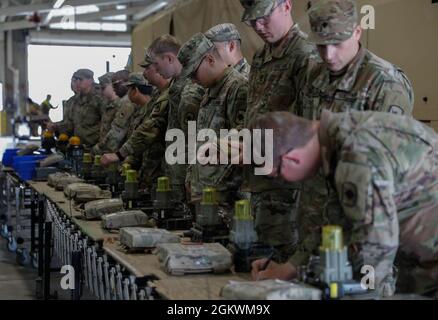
<point>116,136</point>
<point>184,100</point>
<point>383,168</point>
<point>223,107</point>
<point>148,143</point>
<point>228,32</point>
<point>243,67</point>
<point>66,107</point>
<point>109,111</point>
<point>368,83</point>
<point>275,79</point>
<point>110,108</point>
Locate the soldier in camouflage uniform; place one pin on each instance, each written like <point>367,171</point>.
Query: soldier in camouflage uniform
<point>116,136</point>
<point>383,169</point>
<point>223,107</point>
<point>111,106</point>
<point>85,114</point>
<point>277,72</point>
<point>349,78</point>
<point>227,40</point>
<point>146,146</point>
<point>140,93</point>
<point>184,100</point>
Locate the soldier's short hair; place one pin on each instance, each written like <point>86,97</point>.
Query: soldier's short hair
<point>290,132</point>
<point>120,76</point>
<point>165,44</point>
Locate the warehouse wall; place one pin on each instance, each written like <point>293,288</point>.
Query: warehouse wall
<point>405,34</point>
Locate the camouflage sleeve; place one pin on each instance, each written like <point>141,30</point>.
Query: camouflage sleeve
<point>236,105</point>
<point>66,125</point>
<point>395,96</point>
<point>148,132</point>
<point>191,99</point>
<point>119,128</point>
<point>366,196</point>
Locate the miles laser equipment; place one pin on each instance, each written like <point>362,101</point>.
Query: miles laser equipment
<point>331,271</point>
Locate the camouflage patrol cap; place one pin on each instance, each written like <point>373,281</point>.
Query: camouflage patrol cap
<point>147,60</point>
<point>84,74</point>
<point>223,32</point>
<point>105,79</point>
<point>332,21</point>
<point>255,9</point>
<point>191,53</point>
<point>136,79</point>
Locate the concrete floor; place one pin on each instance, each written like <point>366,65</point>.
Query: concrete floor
<point>18,282</point>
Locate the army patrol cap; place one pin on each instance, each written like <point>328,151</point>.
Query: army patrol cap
<point>136,79</point>
<point>192,52</point>
<point>84,74</point>
<point>255,9</point>
<point>106,79</point>
<point>223,32</point>
<point>147,60</point>
<point>332,21</point>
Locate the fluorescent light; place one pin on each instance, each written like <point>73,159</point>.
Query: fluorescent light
<point>58,4</point>
<point>150,10</point>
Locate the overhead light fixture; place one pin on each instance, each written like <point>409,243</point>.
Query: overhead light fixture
<point>58,4</point>
<point>150,10</point>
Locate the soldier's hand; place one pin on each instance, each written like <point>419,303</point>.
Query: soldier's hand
<point>285,271</point>
<point>108,158</point>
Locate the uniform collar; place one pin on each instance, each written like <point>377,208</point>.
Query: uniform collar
<point>347,81</point>
<point>216,89</point>
<point>283,48</point>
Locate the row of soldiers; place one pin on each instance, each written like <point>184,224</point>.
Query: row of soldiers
<point>208,80</point>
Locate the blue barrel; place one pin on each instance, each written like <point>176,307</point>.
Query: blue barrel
<point>17,159</point>
<point>8,156</point>
<point>26,169</point>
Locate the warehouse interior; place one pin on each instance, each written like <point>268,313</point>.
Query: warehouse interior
<point>50,248</point>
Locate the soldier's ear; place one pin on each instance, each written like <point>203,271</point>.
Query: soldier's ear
<point>357,33</point>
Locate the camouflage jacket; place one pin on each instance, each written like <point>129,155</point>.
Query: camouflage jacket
<point>383,168</point>
<point>109,113</point>
<point>184,100</point>
<point>243,67</point>
<point>85,118</point>
<point>119,128</point>
<point>64,124</point>
<point>145,147</point>
<point>148,141</point>
<point>369,83</point>
<point>223,107</point>
<point>277,74</point>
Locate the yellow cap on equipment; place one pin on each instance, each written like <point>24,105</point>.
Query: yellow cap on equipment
<point>75,141</point>
<point>63,137</point>
<point>332,238</point>
<point>242,210</point>
<point>47,134</point>
<point>87,158</point>
<point>209,196</point>
<point>97,160</point>
<point>163,184</point>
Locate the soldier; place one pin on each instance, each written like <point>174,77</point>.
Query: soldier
<point>124,116</point>
<point>223,107</point>
<point>277,73</point>
<point>349,78</point>
<point>184,100</point>
<point>227,40</point>
<point>46,106</point>
<point>146,146</point>
<point>388,194</point>
<point>112,104</point>
<point>86,113</point>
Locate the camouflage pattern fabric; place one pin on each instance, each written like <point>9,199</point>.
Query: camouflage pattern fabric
<point>119,128</point>
<point>243,67</point>
<point>109,113</point>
